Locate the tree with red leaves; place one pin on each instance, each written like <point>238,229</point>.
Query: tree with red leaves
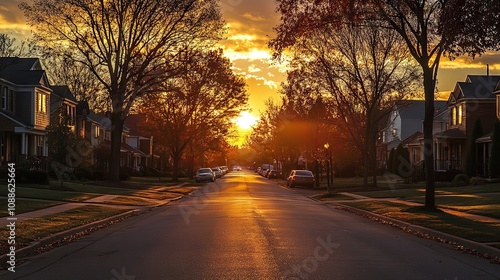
<point>431,29</point>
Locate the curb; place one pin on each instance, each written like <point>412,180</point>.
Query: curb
<point>33,249</point>
<point>458,242</point>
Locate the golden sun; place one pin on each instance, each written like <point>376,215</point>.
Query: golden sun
<point>245,120</point>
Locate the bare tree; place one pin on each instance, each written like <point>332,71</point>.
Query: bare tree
<point>62,70</point>
<point>197,106</point>
<point>129,45</point>
<point>361,70</point>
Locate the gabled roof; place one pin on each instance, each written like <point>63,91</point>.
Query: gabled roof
<point>453,133</point>
<point>475,87</point>
<point>413,138</point>
<point>64,92</point>
<point>22,71</point>
<point>415,109</point>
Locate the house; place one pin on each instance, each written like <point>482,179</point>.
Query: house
<point>63,106</point>
<point>24,110</point>
<point>138,140</point>
<point>136,150</point>
<point>404,121</point>
<point>470,102</point>
<point>484,143</point>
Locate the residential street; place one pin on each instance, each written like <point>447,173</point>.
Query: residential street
<point>246,227</point>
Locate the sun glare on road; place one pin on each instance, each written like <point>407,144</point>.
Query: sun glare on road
<point>246,120</point>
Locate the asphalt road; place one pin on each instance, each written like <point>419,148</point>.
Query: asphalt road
<point>245,227</point>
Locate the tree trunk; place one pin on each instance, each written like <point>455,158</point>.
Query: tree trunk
<point>116,140</point>
<point>429,84</point>
<point>373,153</point>
<point>175,167</point>
<point>366,150</point>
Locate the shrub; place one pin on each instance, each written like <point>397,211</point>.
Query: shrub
<point>99,175</point>
<point>32,177</point>
<point>474,181</point>
<point>83,173</point>
<point>461,179</point>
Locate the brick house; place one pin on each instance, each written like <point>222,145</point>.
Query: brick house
<point>471,101</point>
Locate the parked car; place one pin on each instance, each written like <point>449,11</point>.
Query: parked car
<point>263,172</point>
<point>205,175</point>
<point>224,169</point>
<point>217,171</point>
<point>300,178</point>
<point>273,174</point>
<point>236,168</point>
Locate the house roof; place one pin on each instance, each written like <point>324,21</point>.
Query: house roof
<point>125,148</point>
<point>475,87</point>
<point>413,138</point>
<point>415,109</point>
<point>22,71</point>
<point>81,107</point>
<point>454,133</point>
<point>8,123</point>
<point>64,92</point>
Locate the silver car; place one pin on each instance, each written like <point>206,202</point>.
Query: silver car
<point>205,175</point>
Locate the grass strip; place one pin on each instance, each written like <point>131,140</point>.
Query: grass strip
<point>26,205</point>
<point>25,192</point>
<point>447,223</point>
<point>333,197</point>
<point>30,230</point>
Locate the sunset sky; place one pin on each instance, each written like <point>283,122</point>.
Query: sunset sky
<point>250,25</point>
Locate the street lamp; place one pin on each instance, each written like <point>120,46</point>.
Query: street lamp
<point>328,164</point>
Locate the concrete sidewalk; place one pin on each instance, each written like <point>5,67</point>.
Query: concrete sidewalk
<point>99,200</point>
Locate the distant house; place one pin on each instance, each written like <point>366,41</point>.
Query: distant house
<point>471,101</point>
<point>404,121</point>
<point>136,150</point>
<point>138,140</point>
<point>24,109</point>
<point>63,106</point>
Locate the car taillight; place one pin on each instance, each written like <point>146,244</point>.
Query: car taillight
<point>293,178</point>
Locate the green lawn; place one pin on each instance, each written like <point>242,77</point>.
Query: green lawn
<point>458,226</point>
<point>480,200</point>
<point>47,194</point>
<point>25,205</point>
<point>31,230</point>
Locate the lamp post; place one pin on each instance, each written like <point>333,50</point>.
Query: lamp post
<point>328,163</point>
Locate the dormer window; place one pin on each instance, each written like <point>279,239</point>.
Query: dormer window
<point>42,103</point>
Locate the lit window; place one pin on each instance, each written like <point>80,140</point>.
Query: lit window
<point>460,114</point>
<point>42,103</point>
<point>97,131</point>
<point>454,116</point>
